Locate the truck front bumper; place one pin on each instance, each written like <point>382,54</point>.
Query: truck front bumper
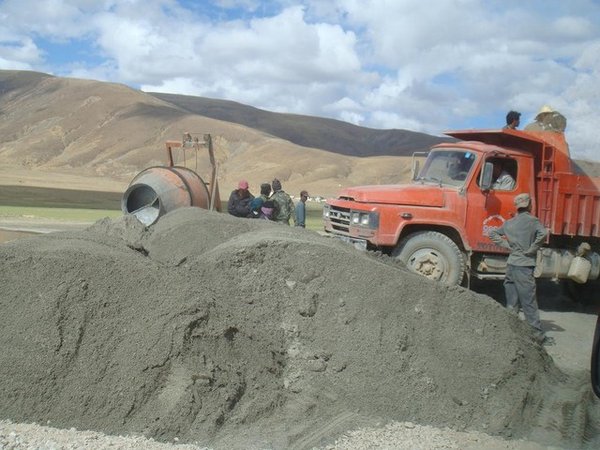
<point>359,244</point>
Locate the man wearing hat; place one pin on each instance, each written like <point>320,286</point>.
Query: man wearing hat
<point>300,216</point>
<point>284,206</point>
<point>523,236</point>
<point>239,201</point>
<point>547,119</point>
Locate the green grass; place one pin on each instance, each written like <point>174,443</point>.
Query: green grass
<point>88,206</point>
<point>314,216</point>
<point>36,197</point>
<point>62,214</point>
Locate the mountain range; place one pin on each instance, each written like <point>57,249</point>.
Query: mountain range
<point>63,131</point>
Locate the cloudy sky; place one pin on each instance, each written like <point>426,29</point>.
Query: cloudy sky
<point>412,64</point>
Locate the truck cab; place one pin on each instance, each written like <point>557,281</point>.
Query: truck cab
<point>438,224</point>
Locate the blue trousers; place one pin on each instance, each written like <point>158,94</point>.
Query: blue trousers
<point>519,287</point>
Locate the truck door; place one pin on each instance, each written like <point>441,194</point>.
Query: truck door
<point>489,209</point>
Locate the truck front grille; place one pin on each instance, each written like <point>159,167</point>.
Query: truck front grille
<point>340,218</point>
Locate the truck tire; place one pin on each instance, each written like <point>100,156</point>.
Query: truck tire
<point>432,255</point>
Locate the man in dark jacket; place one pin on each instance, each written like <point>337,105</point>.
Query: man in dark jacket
<point>523,236</point>
<point>239,201</point>
<point>284,206</point>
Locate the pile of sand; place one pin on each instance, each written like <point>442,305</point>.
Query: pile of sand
<point>240,333</point>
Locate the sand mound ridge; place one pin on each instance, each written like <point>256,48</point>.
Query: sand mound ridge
<point>243,333</point>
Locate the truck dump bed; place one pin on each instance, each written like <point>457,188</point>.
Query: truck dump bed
<point>575,206</point>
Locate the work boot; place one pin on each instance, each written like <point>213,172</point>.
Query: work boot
<point>548,341</point>
<point>542,339</point>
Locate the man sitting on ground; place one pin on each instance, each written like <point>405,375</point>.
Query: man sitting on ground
<point>257,202</point>
<point>239,201</point>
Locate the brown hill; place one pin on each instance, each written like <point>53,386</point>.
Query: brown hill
<point>69,132</point>
<point>317,132</point>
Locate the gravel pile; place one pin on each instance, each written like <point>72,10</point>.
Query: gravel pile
<point>238,333</point>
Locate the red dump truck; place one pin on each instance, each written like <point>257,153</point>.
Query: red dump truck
<point>438,224</point>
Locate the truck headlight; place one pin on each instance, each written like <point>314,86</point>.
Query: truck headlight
<point>325,211</point>
<point>364,219</point>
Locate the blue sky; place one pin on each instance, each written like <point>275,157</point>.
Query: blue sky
<point>410,64</point>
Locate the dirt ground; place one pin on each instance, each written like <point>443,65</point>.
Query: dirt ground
<point>230,333</point>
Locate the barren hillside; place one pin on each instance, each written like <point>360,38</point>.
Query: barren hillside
<point>317,132</point>
<point>54,130</point>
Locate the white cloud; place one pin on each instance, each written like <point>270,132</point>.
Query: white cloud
<point>266,64</point>
<point>9,64</point>
<point>20,54</point>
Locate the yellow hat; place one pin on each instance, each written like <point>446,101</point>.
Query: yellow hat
<point>544,110</point>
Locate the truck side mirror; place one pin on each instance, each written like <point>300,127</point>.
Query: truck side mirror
<point>485,180</point>
<point>416,164</point>
<point>415,169</point>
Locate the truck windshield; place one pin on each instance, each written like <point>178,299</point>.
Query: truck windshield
<point>447,166</point>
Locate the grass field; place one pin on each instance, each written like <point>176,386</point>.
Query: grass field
<point>87,206</point>
<point>314,216</point>
<point>60,214</point>
<point>27,196</point>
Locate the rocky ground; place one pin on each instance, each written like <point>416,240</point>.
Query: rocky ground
<point>208,330</point>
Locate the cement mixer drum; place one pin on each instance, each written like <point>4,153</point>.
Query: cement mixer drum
<point>158,190</point>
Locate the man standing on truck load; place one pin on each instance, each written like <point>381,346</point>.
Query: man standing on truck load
<point>523,236</point>
<point>284,206</point>
<point>513,119</point>
<point>547,119</point>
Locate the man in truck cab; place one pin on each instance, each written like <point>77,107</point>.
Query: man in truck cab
<point>503,180</point>
<point>523,236</point>
<point>458,165</point>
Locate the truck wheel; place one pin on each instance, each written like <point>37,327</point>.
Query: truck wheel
<point>433,255</point>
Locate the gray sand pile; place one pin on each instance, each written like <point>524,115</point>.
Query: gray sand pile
<point>242,333</point>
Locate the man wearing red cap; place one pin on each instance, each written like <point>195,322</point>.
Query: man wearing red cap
<point>239,201</point>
